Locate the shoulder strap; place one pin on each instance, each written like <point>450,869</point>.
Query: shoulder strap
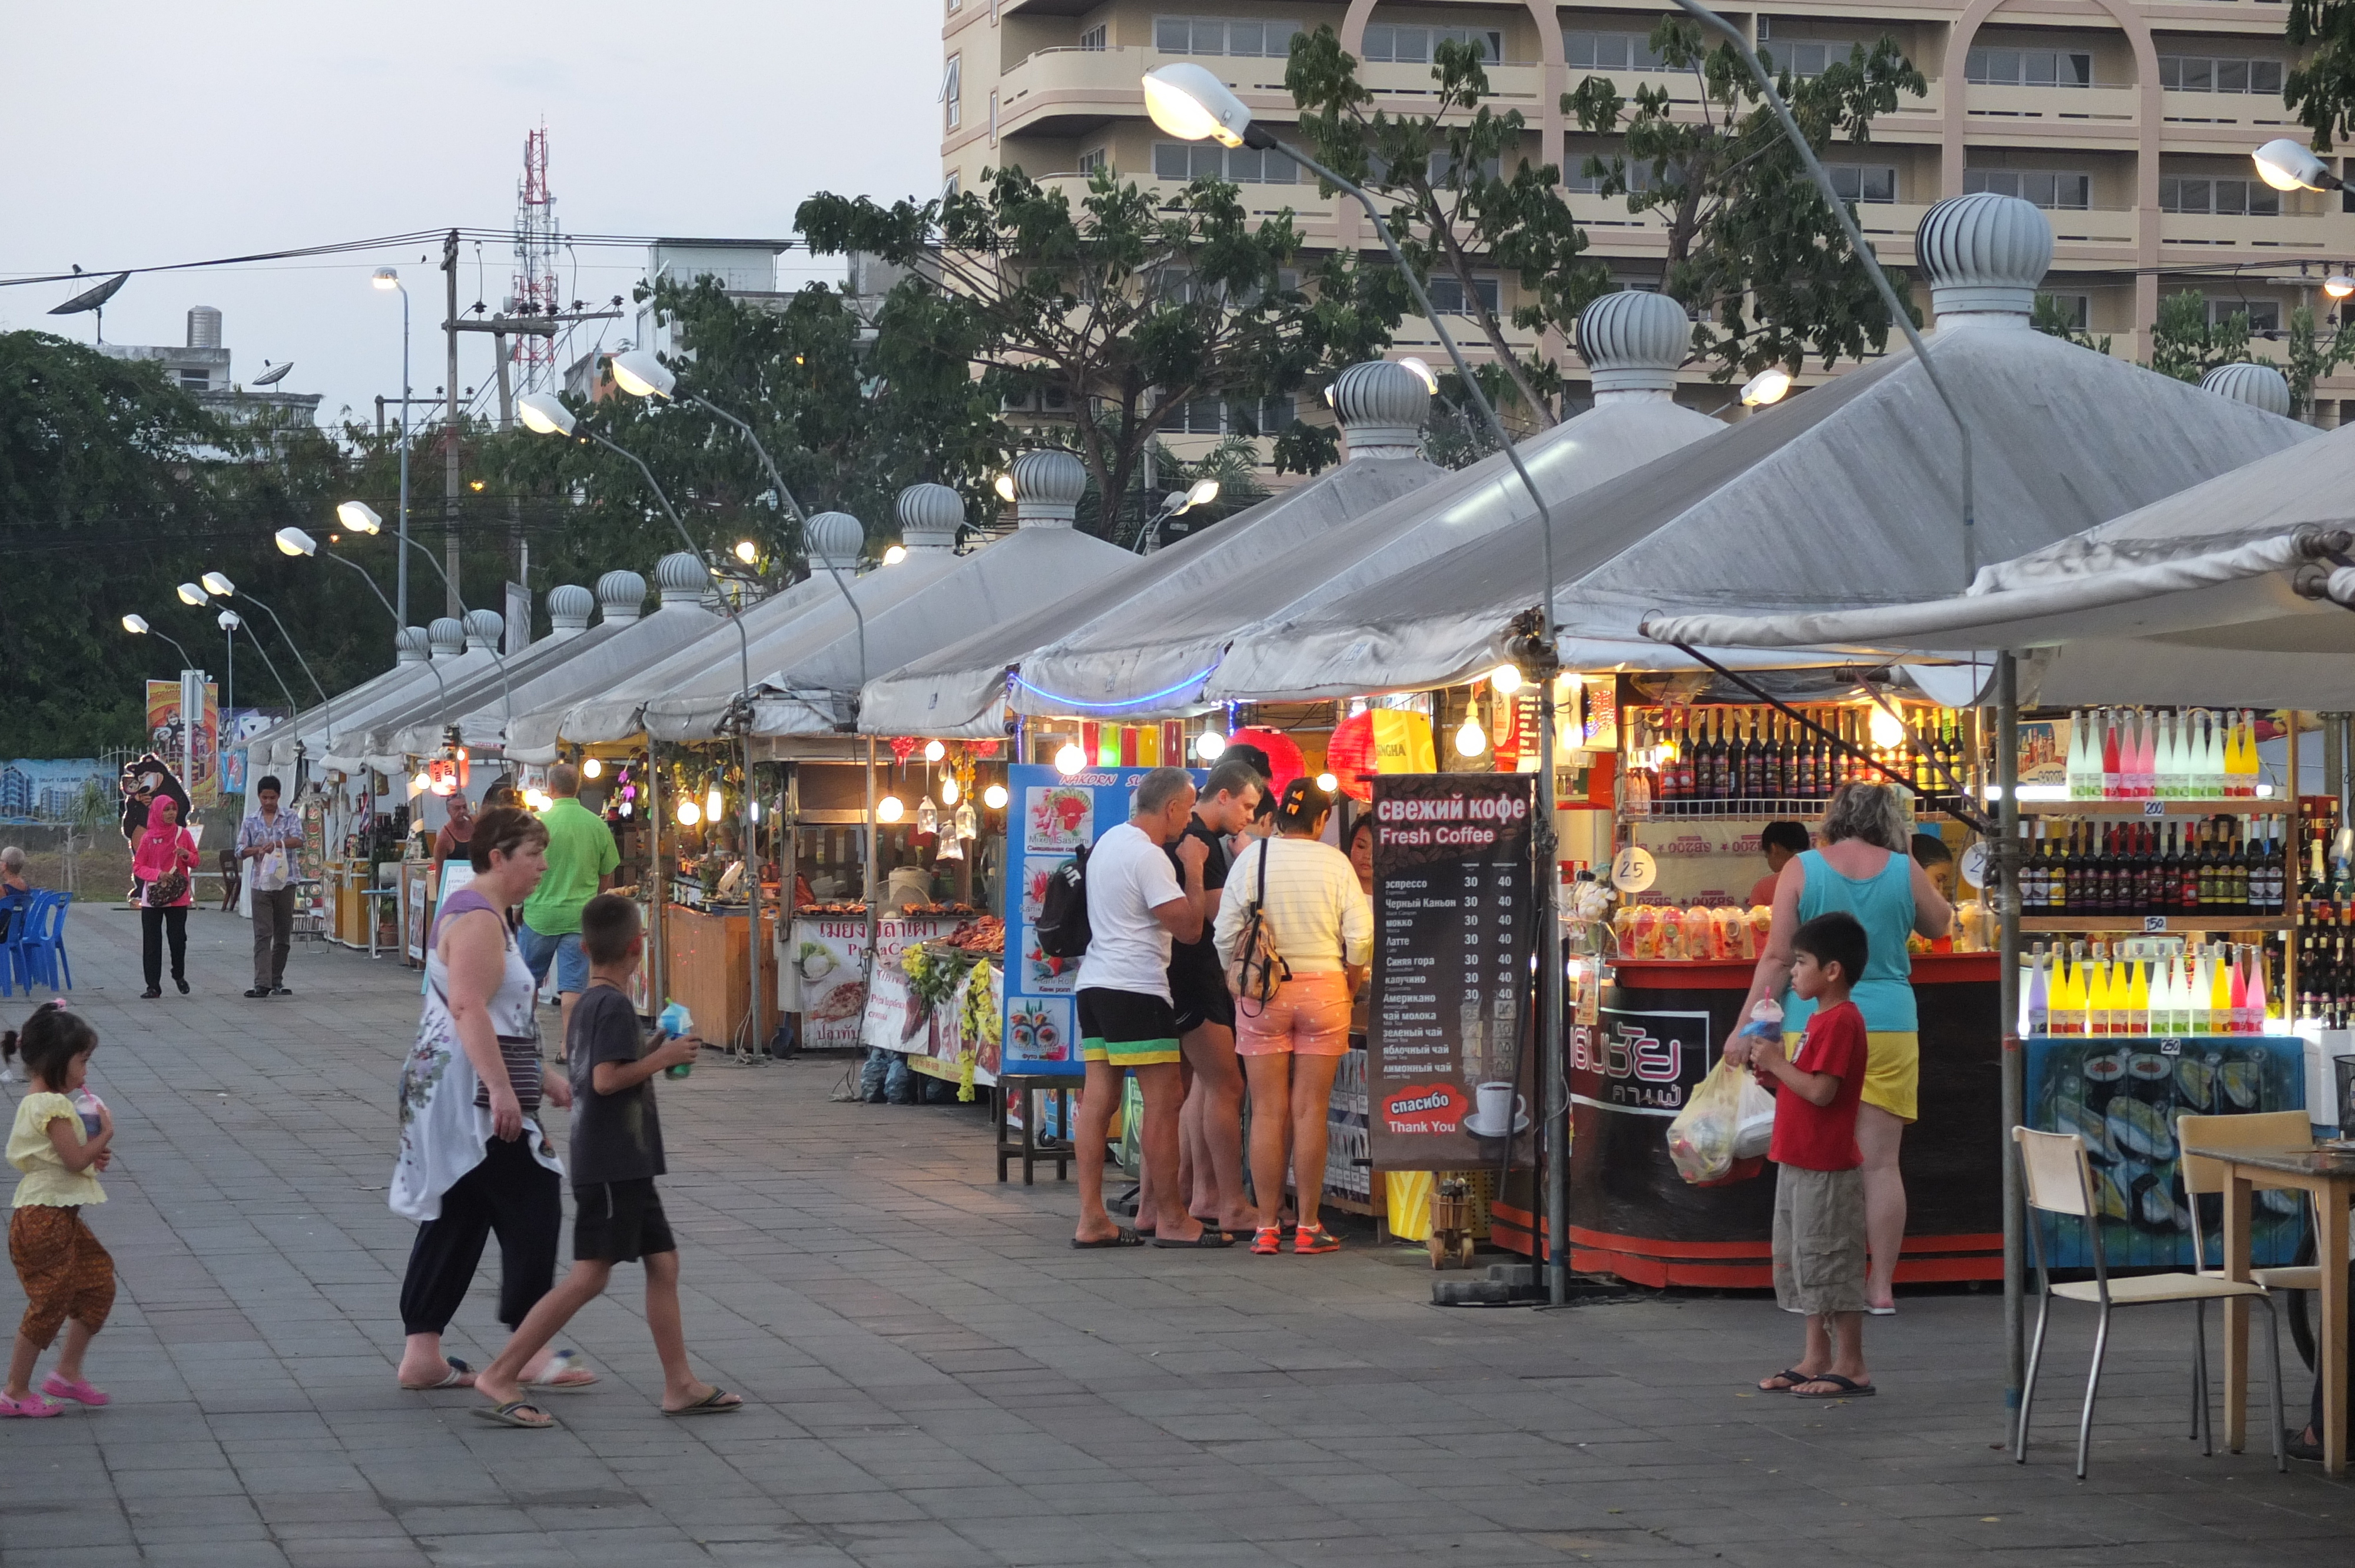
<point>1262,899</point>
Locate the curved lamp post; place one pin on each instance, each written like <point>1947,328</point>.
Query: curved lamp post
<point>219,584</point>
<point>294,542</point>
<point>361,518</point>
<point>545,415</point>
<point>386,278</point>
<point>1177,504</point>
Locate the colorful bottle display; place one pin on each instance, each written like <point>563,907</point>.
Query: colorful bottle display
<point>2175,754</point>
<point>2196,865</point>
<point>1714,760</point>
<point>2080,989</point>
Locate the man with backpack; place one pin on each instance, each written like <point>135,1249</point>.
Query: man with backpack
<point>1135,908</point>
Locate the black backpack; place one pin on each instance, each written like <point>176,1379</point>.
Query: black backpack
<point>1062,925</point>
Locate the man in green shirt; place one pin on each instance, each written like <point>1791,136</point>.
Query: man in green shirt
<point>580,863</point>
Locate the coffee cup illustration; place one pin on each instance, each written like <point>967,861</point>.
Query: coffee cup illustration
<point>1497,1110</point>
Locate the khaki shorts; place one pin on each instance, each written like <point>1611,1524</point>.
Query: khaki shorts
<point>1893,1070</point>
<point>1818,1240</point>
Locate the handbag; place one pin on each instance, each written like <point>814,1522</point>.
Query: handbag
<point>1256,969</point>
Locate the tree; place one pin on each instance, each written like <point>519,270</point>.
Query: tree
<point>2186,344</point>
<point>2321,86</point>
<point>1751,245</point>
<point>853,411</point>
<point>1453,208</point>
<point>2054,318</point>
<point>1128,306</point>
<point>2313,355</point>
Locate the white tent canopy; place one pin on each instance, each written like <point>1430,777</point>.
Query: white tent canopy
<point>1847,496</point>
<point>413,668</point>
<point>455,658</point>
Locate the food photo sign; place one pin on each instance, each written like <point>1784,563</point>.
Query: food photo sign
<point>1055,815</point>
<point>1450,1070</point>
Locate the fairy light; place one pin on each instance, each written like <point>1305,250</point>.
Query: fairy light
<point>994,797</point>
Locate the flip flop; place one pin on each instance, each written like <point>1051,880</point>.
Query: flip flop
<point>1210,1237</point>
<point>453,1378</point>
<point>1888,1311</point>
<point>511,1414</point>
<point>1790,1380</point>
<point>1846,1389</point>
<point>566,1370</point>
<point>1124,1239</point>
<point>712,1403</point>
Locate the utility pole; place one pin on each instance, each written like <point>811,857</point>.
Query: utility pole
<point>450,432</point>
<point>514,505</point>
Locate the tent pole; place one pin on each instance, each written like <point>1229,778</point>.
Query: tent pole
<point>873,890</point>
<point>658,895</point>
<point>1549,1032</point>
<point>2007,867</point>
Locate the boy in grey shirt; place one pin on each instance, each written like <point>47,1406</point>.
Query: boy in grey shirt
<point>616,1154</point>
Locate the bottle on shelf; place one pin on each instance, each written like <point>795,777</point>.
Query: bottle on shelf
<point>2039,994</point>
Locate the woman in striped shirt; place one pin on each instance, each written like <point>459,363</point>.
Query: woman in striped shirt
<point>1308,895</point>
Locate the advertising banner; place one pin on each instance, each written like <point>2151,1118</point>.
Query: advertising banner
<point>167,734</point>
<point>828,960</point>
<point>1053,816</point>
<point>1450,1072</point>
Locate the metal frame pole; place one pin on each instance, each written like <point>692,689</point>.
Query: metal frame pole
<point>2007,869</point>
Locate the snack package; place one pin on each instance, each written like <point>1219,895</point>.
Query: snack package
<point>1700,934</point>
<point>1727,929</point>
<point>1647,931</point>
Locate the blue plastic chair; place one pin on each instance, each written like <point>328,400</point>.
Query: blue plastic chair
<point>38,954</point>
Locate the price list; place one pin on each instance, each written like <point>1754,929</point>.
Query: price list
<point>1448,1066</point>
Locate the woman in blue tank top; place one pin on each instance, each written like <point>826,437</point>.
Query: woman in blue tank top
<point>1864,869</point>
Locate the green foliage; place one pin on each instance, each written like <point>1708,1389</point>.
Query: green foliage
<point>852,414</point>
<point>1751,242</point>
<point>1128,304</point>
<point>2186,344</point>
<point>2321,86</point>
<point>2054,318</point>
<point>1450,214</point>
<point>2312,355</point>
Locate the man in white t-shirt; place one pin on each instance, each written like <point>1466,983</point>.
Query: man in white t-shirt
<point>1135,907</point>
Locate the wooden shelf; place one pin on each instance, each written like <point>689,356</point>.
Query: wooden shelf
<point>2244,805</point>
<point>2169,925</point>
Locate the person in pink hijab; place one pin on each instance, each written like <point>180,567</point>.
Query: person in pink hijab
<point>164,856</point>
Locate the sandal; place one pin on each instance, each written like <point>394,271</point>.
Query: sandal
<point>28,1409</point>
<point>75,1389</point>
<point>1843,1388</point>
<point>458,1376</point>
<point>1308,1240</point>
<point>1783,1381</point>
<point>511,1414</point>
<point>1118,1238</point>
<point>566,1370</point>
<point>1267,1241</point>
<point>1211,1236</point>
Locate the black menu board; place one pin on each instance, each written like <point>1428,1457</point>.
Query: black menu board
<point>1450,1074</point>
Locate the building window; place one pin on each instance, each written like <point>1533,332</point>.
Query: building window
<point>2077,310</point>
<point>1221,36</point>
<point>1094,158</point>
<point>2051,188</point>
<point>1230,417</point>
<point>1446,291</point>
<point>952,92</point>
<point>2264,315</point>
<point>1609,51</point>
<point>1388,43</point>
<point>2203,73</point>
<point>1182,160</point>
<point>1864,182</point>
<point>1094,38</point>
<point>2228,196</point>
<point>2030,67</point>
<point>197,380</point>
<point>1807,58</point>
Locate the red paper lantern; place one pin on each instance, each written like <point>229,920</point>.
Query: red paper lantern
<point>1349,755</point>
<point>1283,756</point>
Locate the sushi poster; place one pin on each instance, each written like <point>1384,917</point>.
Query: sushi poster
<point>1059,814</point>
<point>2123,1096</point>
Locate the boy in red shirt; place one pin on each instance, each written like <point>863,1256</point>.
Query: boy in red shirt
<point>1819,1187</point>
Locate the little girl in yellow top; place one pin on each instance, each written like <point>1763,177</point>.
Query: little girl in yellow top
<point>67,1277</point>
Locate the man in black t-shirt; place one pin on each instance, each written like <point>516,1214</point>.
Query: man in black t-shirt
<point>1210,1124</point>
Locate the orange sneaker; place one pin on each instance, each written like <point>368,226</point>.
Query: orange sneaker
<point>1267,1240</point>
<point>1308,1239</point>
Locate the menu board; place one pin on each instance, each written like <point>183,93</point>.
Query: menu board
<point>1052,816</point>
<point>1451,1073</point>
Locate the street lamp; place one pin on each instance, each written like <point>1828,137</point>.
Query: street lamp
<point>137,626</point>
<point>2339,285</point>
<point>386,278</point>
<point>228,621</point>
<point>219,583</point>
<point>2288,165</point>
<point>1767,387</point>
<point>294,542</point>
<point>1177,504</point>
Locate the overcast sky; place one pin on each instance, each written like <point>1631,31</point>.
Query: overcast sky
<point>146,131</point>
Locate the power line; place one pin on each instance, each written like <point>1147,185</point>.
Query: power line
<point>387,241</point>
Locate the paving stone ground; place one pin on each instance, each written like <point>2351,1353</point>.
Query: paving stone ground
<point>936,1379</point>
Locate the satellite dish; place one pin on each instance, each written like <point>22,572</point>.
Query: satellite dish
<point>92,298</point>
<point>275,374</point>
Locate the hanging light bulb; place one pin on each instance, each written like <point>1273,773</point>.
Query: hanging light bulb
<point>949,790</point>
<point>889,810</point>
<point>421,783</point>
<point>1209,746</point>
<point>934,751</point>
<point>1327,782</point>
<point>712,804</point>
<point>754,806</point>
<point>591,767</point>
<point>1070,759</point>
<point>1505,679</point>
<point>993,797</point>
<point>688,813</point>
<point>1888,730</point>
<point>1471,740</point>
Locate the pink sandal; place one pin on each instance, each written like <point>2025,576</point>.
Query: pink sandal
<point>28,1409</point>
<point>81,1392</point>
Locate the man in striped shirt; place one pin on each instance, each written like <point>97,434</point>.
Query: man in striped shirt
<point>267,842</point>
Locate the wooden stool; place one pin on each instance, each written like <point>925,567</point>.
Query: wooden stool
<point>1028,1149</point>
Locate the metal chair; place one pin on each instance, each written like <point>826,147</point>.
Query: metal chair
<point>2059,1180</point>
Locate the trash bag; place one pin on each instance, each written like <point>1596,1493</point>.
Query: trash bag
<point>1701,1137</point>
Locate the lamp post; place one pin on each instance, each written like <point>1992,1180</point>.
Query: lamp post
<point>546,415</point>
<point>137,626</point>
<point>228,621</point>
<point>1189,102</point>
<point>294,542</point>
<point>361,518</point>
<point>2288,165</point>
<point>386,278</point>
<point>219,583</point>
<point>1177,504</point>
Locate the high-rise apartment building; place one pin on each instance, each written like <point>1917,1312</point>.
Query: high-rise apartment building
<point>2129,121</point>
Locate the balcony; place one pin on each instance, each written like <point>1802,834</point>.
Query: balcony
<point>1512,84</point>
<point>1312,219</point>
<point>1066,91</point>
<point>1912,117</point>
<point>2044,107</point>
<point>2292,236</point>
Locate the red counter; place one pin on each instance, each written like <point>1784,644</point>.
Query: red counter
<point>1662,1022</point>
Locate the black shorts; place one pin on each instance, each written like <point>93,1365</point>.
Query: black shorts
<point>1127,1028</point>
<point>1200,1000</point>
<point>619,1222</point>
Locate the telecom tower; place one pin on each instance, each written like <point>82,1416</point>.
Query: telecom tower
<point>535,250</point>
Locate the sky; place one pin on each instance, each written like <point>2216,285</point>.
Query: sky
<point>151,131</point>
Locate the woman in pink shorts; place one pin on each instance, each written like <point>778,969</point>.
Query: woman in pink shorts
<point>1322,924</point>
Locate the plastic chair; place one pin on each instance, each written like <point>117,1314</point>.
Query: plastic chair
<point>2059,1180</point>
<point>16,959</point>
<point>39,954</point>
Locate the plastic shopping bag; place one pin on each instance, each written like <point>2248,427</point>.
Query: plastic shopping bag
<point>1701,1137</point>
<point>1753,1131</point>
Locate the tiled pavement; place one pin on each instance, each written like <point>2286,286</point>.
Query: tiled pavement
<point>935,1378</point>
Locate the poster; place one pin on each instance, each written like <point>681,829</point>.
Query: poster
<point>2044,751</point>
<point>414,905</point>
<point>1450,1070</point>
<point>1053,817</point>
<point>828,960</point>
<point>1348,1155</point>
<point>201,774</point>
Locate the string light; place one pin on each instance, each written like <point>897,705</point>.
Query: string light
<point>1471,740</point>
<point>994,797</point>
<point>688,814</point>
<point>1209,746</point>
<point>591,767</point>
<point>1070,759</point>
<point>888,808</point>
